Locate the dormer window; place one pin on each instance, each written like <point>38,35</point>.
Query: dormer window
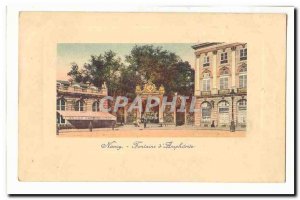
<point>224,58</point>
<point>206,61</point>
<point>243,54</point>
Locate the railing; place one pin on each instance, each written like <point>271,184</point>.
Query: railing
<point>224,61</point>
<point>76,89</point>
<point>242,90</point>
<point>205,93</point>
<point>79,90</point>
<point>243,58</point>
<point>224,91</point>
<point>205,64</point>
<point>95,90</point>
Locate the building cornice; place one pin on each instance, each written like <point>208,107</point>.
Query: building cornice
<point>215,48</point>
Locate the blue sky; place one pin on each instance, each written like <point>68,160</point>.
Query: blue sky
<point>80,53</point>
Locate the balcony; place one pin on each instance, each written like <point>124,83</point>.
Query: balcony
<point>243,58</point>
<point>205,93</point>
<point>242,90</point>
<point>224,91</point>
<point>205,64</point>
<point>63,88</point>
<point>78,90</point>
<point>224,61</point>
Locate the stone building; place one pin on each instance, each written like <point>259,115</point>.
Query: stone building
<point>221,84</point>
<point>78,104</point>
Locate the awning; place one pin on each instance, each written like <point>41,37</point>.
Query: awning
<point>86,115</point>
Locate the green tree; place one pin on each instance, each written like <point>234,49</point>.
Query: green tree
<point>103,68</point>
<point>144,63</point>
<point>162,67</point>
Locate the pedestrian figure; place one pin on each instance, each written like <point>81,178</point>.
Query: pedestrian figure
<point>213,124</point>
<point>138,123</point>
<point>113,125</point>
<point>145,123</point>
<point>91,127</point>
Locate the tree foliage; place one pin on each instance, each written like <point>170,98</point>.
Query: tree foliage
<point>144,63</point>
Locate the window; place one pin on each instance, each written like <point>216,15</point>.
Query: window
<point>206,61</point>
<point>79,105</point>
<point>206,110</point>
<point>243,54</point>
<point>224,58</point>
<point>243,77</point>
<point>223,83</point>
<point>224,79</point>
<point>242,112</point>
<point>206,82</point>
<point>96,106</point>
<point>242,104</point>
<point>223,107</point>
<point>243,81</point>
<point>60,104</point>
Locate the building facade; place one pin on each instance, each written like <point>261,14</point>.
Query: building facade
<point>78,106</point>
<point>221,84</point>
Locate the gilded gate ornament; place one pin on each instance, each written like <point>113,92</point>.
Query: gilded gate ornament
<point>149,88</point>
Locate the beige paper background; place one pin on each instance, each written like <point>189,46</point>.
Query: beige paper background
<point>257,157</point>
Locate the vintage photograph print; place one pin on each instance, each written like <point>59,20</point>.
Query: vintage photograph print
<point>152,97</point>
<point>151,89</point>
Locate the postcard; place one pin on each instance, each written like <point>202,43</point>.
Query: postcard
<point>146,96</point>
<point>105,95</point>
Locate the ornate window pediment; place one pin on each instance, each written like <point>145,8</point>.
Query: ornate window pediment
<point>243,69</point>
<point>224,71</point>
<point>206,74</point>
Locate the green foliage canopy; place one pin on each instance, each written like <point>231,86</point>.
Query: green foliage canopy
<point>144,63</point>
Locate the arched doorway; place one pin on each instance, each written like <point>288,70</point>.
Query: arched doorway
<point>223,113</point>
<point>206,113</point>
<point>242,113</point>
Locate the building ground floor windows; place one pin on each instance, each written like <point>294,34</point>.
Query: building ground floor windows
<point>220,111</point>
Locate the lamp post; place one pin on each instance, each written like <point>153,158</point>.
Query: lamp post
<point>232,125</point>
